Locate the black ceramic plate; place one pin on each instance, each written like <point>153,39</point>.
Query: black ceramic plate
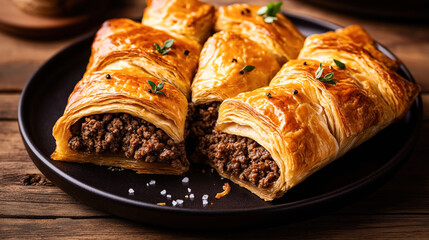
<point>44,99</point>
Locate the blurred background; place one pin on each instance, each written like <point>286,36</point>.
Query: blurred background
<point>33,30</point>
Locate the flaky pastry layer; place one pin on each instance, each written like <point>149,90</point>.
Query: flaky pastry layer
<point>123,91</point>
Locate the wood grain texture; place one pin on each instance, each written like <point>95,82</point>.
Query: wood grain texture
<point>325,227</point>
<point>32,207</point>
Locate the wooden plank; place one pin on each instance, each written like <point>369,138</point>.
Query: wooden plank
<point>324,227</point>
<point>11,146</point>
<point>9,106</point>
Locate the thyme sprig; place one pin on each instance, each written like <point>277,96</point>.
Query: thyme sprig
<point>166,48</point>
<point>328,78</point>
<point>156,89</point>
<point>270,11</point>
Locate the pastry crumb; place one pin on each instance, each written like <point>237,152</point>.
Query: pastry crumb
<point>226,189</point>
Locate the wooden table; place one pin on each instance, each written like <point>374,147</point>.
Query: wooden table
<point>32,207</point>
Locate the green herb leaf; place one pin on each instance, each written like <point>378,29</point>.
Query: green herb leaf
<point>339,64</point>
<point>319,72</point>
<point>165,51</point>
<point>160,86</point>
<point>262,10</point>
<point>328,76</point>
<point>270,19</point>
<point>166,48</point>
<point>152,85</point>
<point>168,43</point>
<point>160,92</point>
<point>331,81</point>
<point>248,68</point>
<point>270,11</point>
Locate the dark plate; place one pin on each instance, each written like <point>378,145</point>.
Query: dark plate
<point>43,101</point>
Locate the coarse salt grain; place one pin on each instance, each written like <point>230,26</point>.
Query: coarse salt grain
<point>205,202</point>
<point>189,190</point>
<point>191,196</point>
<point>179,201</point>
<point>131,191</point>
<point>174,203</point>
<point>205,197</point>
<point>168,196</point>
<point>185,180</point>
<point>152,182</point>
<point>163,192</point>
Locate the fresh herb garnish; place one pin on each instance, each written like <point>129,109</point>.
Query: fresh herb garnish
<point>269,12</point>
<point>247,68</point>
<point>166,48</point>
<point>328,78</point>
<point>339,64</point>
<point>319,71</point>
<point>156,89</point>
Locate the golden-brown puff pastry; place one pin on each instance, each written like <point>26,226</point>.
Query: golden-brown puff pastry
<point>222,59</point>
<point>371,67</point>
<point>305,123</point>
<point>280,37</point>
<point>189,18</point>
<point>124,43</point>
<point>122,91</point>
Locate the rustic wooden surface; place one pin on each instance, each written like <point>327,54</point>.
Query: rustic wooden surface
<point>32,207</point>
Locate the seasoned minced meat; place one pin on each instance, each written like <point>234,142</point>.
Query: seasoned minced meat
<point>240,156</point>
<point>202,118</point>
<point>123,133</point>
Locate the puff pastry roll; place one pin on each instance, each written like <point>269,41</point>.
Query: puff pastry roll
<point>189,18</point>
<point>221,75</point>
<point>113,119</point>
<point>280,37</point>
<point>124,43</point>
<point>270,139</point>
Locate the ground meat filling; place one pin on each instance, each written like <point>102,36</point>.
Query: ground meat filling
<point>202,118</point>
<point>241,157</point>
<point>132,136</point>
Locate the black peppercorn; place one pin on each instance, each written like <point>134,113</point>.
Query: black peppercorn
<point>305,63</point>
<point>268,95</point>
<point>186,52</point>
<point>295,91</point>
<point>247,10</point>
<point>149,90</point>
<point>234,60</point>
<point>241,72</point>
<point>108,76</point>
<point>330,67</point>
<point>242,12</point>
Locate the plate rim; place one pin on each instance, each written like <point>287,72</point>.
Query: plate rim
<point>282,207</point>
